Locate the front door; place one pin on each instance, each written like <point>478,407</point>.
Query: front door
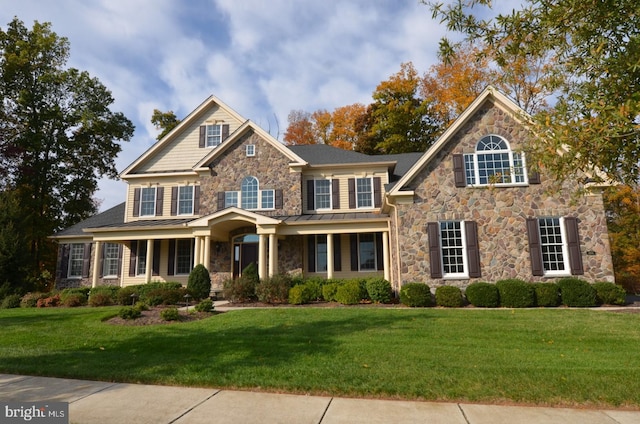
<point>245,252</point>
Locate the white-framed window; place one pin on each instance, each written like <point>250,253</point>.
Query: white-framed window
<point>111,260</point>
<point>494,163</point>
<point>185,200</point>
<point>76,260</point>
<point>364,192</point>
<point>184,256</point>
<point>148,201</point>
<point>231,199</point>
<point>322,194</point>
<point>250,197</point>
<point>267,199</point>
<point>321,253</point>
<point>367,256</point>
<point>250,150</point>
<point>453,249</point>
<point>213,135</point>
<point>141,260</point>
<point>249,193</point>
<point>553,243</point>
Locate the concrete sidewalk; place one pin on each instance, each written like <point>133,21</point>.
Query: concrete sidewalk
<point>100,402</point>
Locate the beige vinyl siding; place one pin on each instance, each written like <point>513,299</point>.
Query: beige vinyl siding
<point>344,188</point>
<point>164,258</point>
<point>182,152</point>
<point>167,183</point>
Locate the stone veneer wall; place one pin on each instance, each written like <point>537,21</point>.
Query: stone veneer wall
<point>71,283</point>
<point>499,212</point>
<point>269,166</point>
<point>290,255</point>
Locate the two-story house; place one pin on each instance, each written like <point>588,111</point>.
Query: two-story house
<point>220,191</point>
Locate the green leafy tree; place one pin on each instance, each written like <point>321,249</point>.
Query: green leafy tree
<point>164,121</point>
<point>58,135</point>
<point>586,55</point>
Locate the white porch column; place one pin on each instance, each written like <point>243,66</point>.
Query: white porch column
<point>96,264</point>
<point>262,256</point>
<point>273,255</point>
<point>385,255</point>
<point>196,252</point>
<point>148,272</point>
<point>207,252</point>
<point>330,264</point>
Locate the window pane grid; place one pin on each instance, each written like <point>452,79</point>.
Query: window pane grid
<point>494,163</point>
<point>323,194</point>
<point>452,247</point>
<point>321,253</point>
<point>76,260</point>
<point>185,200</point>
<point>469,169</point>
<point>364,194</point>
<point>214,135</point>
<point>184,258</point>
<point>141,267</point>
<point>148,201</point>
<point>230,199</point>
<point>111,253</point>
<point>551,244</point>
<point>367,252</point>
<point>267,199</point>
<point>250,193</point>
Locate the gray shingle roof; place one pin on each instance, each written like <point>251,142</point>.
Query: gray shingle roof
<point>109,218</point>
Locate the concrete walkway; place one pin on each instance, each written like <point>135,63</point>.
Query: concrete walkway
<point>100,402</point>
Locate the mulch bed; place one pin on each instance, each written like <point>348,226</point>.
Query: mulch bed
<point>152,317</point>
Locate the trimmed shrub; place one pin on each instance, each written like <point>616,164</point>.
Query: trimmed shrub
<point>75,297</point>
<point>547,294</point>
<point>11,301</point>
<point>164,296</point>
<point>274,289</point>
<point>415,295</point>
<point>124,296</point>
<point>100,299</point>
<point>314,288</point>
<point>349,293</point>
<point>379,290</point>
<point>515,293</point>
<point>483,295</point>
<point>449,297</point>
<point>170,314</point>
<point>104,291</point>
<point>610,294</point>
<point>576,292</point>
<point>49,301</point>
<point>129,312</point>
<point>239,290</point>
<point>329,291</point>
<point>199,283</point>
<point>205,305</point>
<point>298,295</point>
<point>30,300</point>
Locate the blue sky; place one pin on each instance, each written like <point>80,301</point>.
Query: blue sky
<point>263,58</point>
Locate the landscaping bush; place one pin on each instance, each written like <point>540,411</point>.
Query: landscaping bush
<point>610,294</point>
<point>576,292</point>
<point>164,296</point>
<point>50,301</point>
<point>483,295</point>
<point>170,314</point>
<point>239,290</point>
<point>515,293</point>
<point>100,299</point>
<point>329,291</point>
<point>298,295</point>
<point>449,296</point>
<point>274,289</point>
<point>415,295</point>
<point>30,300</point>
<point>199,282</point>
<point>349,293</point>
<point>314,288</point>
<point>75,297</point>
<point>205,305</point>
<point>547,294</point>
<point>11,301</point>
<point>124,295</point>
<point>104,291</point>
<point>129,312</point>
<point>379,290</point>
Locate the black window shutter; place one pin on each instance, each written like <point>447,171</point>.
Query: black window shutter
<point>174,201</point>
<point>354,252</point>
<point>221,204</point>
<point>136,202</point>
<point>311,195</point>
<point>159,200</point>
<point>337,253</point>
<point>225,132</point>
<point>573,244</point>
<point>535,250</point>
<point>133,259</point>
<point>473,249</point>
<point>377,192</point>
<point>335,194</point>
<point>379,252</point>
<point>196,200</point>
<point>435,260</point>
<point>86,260</point>
<point>458,171</point>
<point>171,263</point>
<point>278,194</point>
<point>534,178</point>
<point>352,193</point>
<point>311,253</point>
<point>103,248</point>
<point>120,251</point>
<point>202,142</point>
<point>155,268</point>
<point>63,269</point>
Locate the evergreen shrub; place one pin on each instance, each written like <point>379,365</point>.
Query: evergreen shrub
<point>11,301</point>
<point>129,312</point>
<point>515,293</point>
<point>610,294</point>
<point>299,295</point>
<point>170,314</point>
<point>205,305</point>
<point>577,292</point>
<point>449,296</point>
<point>547,294</point>
<point>199,282</point>
<point>415,295</point>
<point>483,295</point>
<point>239,290</point>
<point>379,290</point>
<point>349,293</point>
<point>329,291</point>
<point>274,289</point>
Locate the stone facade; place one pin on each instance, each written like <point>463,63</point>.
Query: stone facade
<point>500,212</point>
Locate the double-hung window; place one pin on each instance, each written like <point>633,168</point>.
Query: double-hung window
<point>184,256</point>
<point>214,135</point>
<point>185,200</point>
<point>76,260</point>
<point>367,254</point>
<point>141,262</point>
<point>148,201</point>
<point>494,163</point>
<point>554,246</point>
<point>453,249</point>
<point>111,260</point>
<point>249,193</point>
<point>321,253</point>
<point>364,192</point>
<point>322,194</point>
<point>230,199</point>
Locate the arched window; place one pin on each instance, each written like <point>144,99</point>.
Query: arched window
<point>249,193</point>
<point>494,163</point>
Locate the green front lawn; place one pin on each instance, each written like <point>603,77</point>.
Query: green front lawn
<point>542,356</point>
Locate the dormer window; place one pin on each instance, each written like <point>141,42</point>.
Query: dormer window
<point>211,135</point>
<point>148,201</point>
<point>494,163</point>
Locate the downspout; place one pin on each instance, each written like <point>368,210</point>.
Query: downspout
<point>398,281</point>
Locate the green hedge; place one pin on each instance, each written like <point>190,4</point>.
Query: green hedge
<point>515,293</point>
<point>483,295</point>
<point>415,295</point>
<point>610,294</point>
<point>329,291</point>
<point>577,293</point>
<point>349,293</point>
<point>379,290</point>
<point>274,289</point>
<point>547,294</point>
<point>449,296</point>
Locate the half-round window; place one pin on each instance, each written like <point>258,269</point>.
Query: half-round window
<point>494,163</point>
